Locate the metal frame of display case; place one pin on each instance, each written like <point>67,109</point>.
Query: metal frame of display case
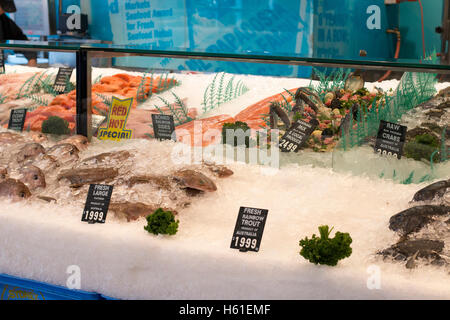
<point>85,53</point>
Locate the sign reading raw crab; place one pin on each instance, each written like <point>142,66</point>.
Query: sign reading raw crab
<point>97,203</point>
<point>249,229</point>
<point>117,120</point>
<point>390,139</point>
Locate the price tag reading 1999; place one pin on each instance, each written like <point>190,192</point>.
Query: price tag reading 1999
<point>97,203</point>
<point>249,229</point>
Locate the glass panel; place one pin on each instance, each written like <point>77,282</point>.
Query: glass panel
<point>47,92</point>
<point>347,104</point>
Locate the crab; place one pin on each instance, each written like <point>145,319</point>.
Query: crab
<point>304,97</point>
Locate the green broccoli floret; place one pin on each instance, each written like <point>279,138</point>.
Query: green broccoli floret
<point>162,222</point>
<point>325,250</point>
<point>55,125</point>
<point>236,126</point>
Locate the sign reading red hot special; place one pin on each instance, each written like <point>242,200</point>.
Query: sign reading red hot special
<point>117,120</point>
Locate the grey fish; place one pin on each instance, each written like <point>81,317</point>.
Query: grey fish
<point>33,177</point>
<point>14,190</point>
<point>194,180</point>
<point>434,190</point>
<point>79,177</point>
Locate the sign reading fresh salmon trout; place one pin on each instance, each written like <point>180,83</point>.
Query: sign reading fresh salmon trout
<point>62,78</point>
<point>390,139</point>
<point>249,229</point>
<point>163,126</point>
<point>117,120</point>
<point>297,135</point>
<point>97,203</point>
<point>17,119</point>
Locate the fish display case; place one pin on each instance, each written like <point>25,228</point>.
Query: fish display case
<point>321,143</point>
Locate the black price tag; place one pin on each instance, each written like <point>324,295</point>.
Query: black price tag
<point>97,203</point>
<point>163,126</point>
<point>249,229</point>
<point>62,77</point>
<point>17,119</point>
<point>297,135</point>
<point>390,139</point>
<point>2,62</point>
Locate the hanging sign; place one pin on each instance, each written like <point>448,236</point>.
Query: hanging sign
<point>117,120</point>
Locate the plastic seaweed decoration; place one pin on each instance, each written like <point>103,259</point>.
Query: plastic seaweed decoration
<point>334,81</point>
<point>105,99</point>
<point>409,179</point>
<point>26,87</point>
<point>178,110</point>
<point>220,91</point>
<point>152,84</point>
<point>37,100</point>
<point>97,79</point>
<point>413,90</point>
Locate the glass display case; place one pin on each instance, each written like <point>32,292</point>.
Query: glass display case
<point>168,136</point>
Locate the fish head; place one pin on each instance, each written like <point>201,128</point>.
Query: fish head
<point>3,173</point>
<point>33,177</point>
<point>64,152</point>
<point>30,151</point>
<point>14,190</point>
<point>194,180</point>
<point>81,142</point>
<point>38,137</point>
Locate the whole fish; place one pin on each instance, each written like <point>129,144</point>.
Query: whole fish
<point>434,190</point>
<point>14,190</point>
<point>132,211</point>
<point>33,177</point>
<point>79,177</point>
